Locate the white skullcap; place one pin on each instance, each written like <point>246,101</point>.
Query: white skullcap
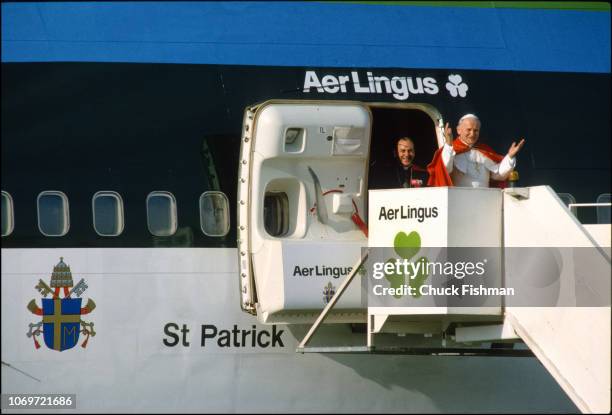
<point>469,116</point>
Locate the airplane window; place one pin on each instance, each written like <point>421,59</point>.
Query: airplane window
<point>568,199</point>
<point>161,213</point>
<point>603,212</point>
<point>214,214</point>
<point>53,215</point>
<point>7,214</point>
<point>107,213</point>
<point>276,213</point>
<point>294,140</point>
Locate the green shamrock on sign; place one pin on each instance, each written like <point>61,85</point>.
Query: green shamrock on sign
<point>407,246</point>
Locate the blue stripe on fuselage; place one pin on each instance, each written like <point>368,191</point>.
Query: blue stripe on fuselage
<point>308,34</point>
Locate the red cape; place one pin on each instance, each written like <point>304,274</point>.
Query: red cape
<point>438,176</point>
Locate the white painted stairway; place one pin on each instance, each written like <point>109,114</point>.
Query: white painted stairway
<point>573,343</point>
<point>571,335</point>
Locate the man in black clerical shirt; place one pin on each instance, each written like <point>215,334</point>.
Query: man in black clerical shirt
<point>405,172</point>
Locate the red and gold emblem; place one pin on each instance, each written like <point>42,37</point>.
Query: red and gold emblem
<point>61,322</point>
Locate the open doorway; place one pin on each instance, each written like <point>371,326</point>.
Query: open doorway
<point>389,124</point>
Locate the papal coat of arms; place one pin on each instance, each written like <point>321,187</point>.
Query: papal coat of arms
<point>328,292</point>
<point>61,317</point>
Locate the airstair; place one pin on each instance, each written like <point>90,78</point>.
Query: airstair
<point>520,238</point>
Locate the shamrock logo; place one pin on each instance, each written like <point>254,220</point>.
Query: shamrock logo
<point>362,271</point>
<point>407,246</point>
<point>456,86</point>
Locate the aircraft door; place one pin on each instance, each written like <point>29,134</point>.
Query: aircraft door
<point>301,201</point>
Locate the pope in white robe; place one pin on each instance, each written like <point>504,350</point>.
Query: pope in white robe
<point>468,164</point>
